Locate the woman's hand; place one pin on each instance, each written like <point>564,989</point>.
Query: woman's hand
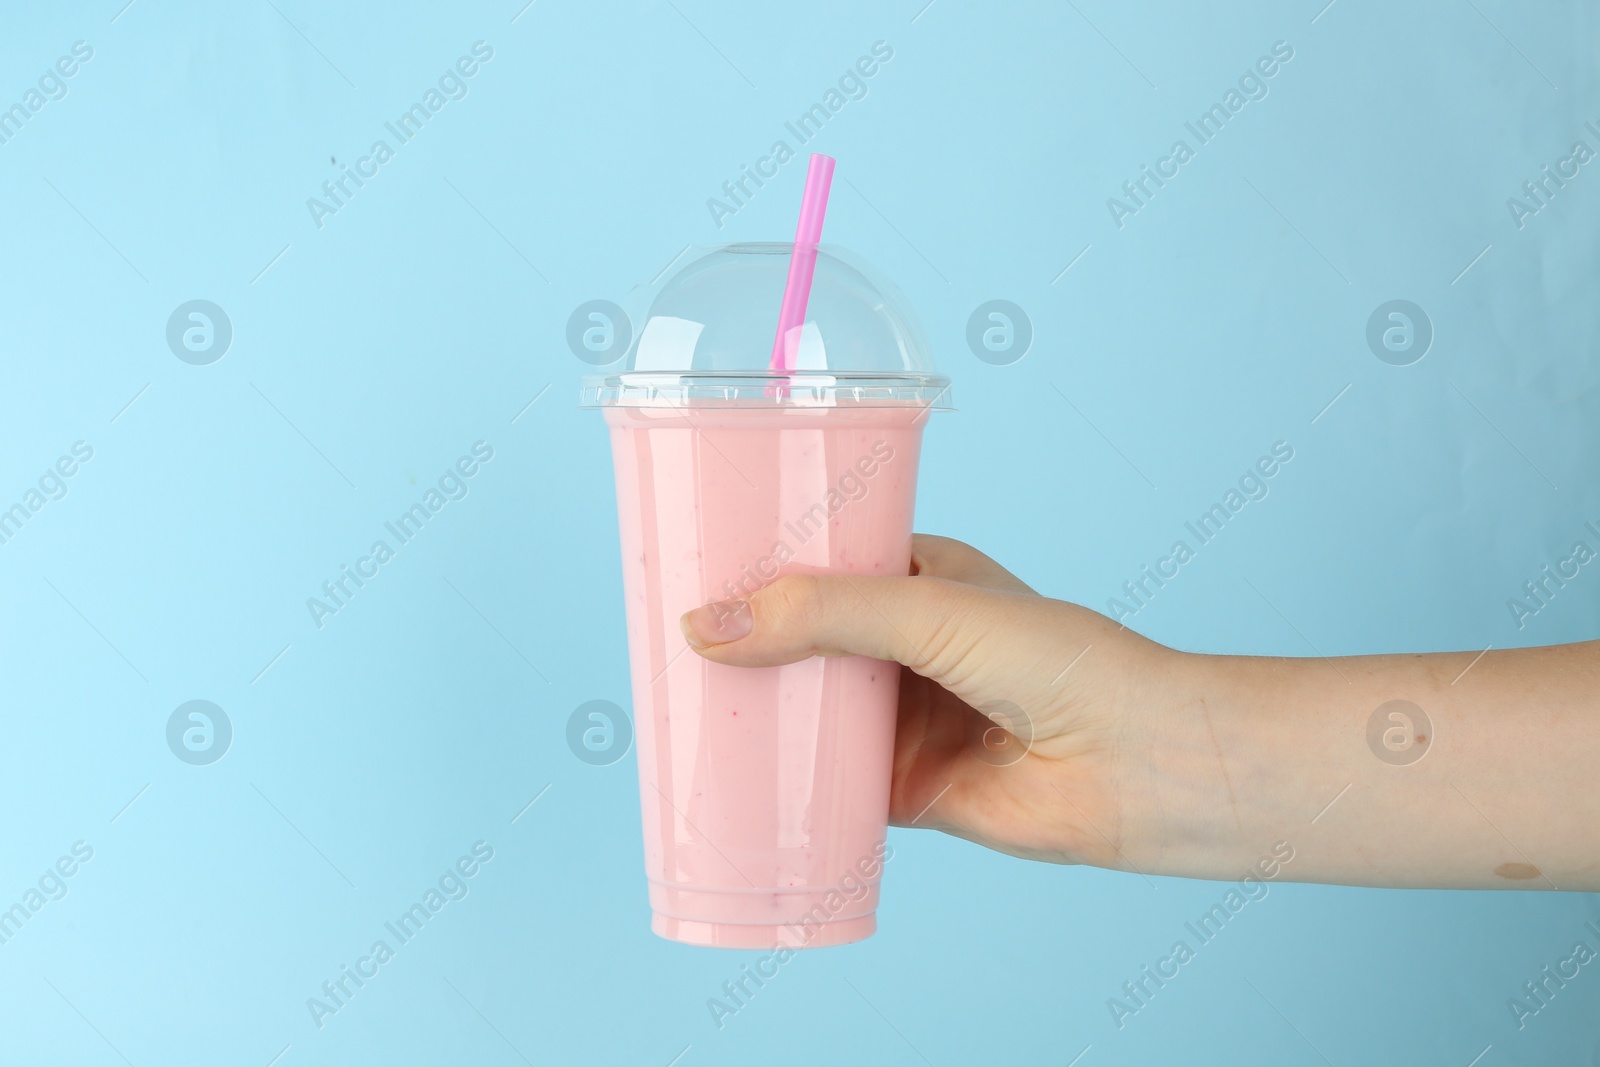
<point>1016,711</point>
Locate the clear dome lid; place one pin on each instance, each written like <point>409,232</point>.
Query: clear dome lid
<point>709,334</point>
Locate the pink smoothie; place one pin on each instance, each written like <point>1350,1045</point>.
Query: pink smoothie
<point>765,791</point>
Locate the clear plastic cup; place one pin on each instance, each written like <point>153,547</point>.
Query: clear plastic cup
<point>765,791</point>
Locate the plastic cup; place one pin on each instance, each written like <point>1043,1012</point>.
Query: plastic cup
<point>764,791</point>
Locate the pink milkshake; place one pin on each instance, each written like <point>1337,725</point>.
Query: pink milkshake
<point>765,791</point>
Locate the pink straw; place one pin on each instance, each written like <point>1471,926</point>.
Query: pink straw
<point>802,264</point>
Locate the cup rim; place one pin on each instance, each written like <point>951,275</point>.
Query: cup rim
<point>812,388</point>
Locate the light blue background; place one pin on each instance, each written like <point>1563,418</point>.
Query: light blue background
<point>374,351</point>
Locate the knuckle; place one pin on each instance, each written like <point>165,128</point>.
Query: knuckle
<point>794,600</point>
<point>945,642</point>
<point>955,634</point>
<point>929,550</point>
<point>945,557</point>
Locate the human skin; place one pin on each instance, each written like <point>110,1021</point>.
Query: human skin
<point>1147,759</point>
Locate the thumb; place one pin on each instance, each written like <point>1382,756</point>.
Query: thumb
<point>929,624</point>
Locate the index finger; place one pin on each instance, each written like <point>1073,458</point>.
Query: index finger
<point>945,557</point>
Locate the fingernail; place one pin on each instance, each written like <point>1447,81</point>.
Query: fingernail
<point>717,623</point>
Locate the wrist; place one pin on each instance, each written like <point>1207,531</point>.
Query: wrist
<point>1199,790</point>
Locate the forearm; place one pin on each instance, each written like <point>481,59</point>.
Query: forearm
<point>1502,789</point>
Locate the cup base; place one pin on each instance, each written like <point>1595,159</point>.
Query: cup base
<point>762,935</point>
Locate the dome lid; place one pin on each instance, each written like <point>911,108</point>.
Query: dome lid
<point>710,328</point>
